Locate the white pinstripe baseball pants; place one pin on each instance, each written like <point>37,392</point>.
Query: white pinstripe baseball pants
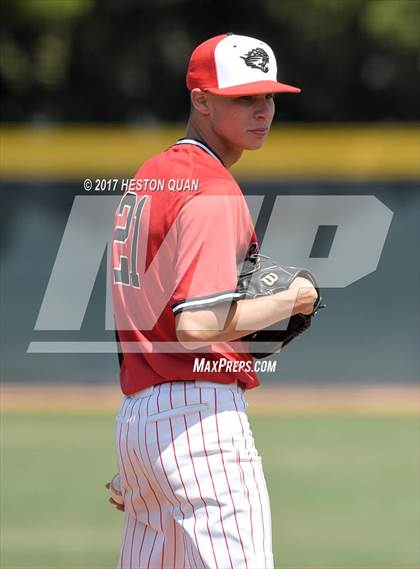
<point>192,480</point>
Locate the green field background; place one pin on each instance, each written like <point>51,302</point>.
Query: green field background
<point>344,490</point>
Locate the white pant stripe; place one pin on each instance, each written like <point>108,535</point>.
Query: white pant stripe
<point>142,468</point>
<point>124,542</point>
<point>196,478</point>
<point>144,527</point>
<point>256,483</point>
<point>132,543</point>
<point>124,478</point>
<point>227,479</point>
<point>151,470</point>
<point>169,498</point>
<point>254,476</point>
<point>132,465</point>
<point>246,494</point>
<point>243,480</point>
<point>171,493</point>
<point>179,475</point>
<point>213,485</point>
<point>135,404</point>
<point>175,497</point>
<point>147,566</point>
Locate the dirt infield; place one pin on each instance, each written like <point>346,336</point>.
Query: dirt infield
<point>326,399</point>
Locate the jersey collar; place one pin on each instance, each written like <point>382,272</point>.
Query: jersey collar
<point>200,144</point>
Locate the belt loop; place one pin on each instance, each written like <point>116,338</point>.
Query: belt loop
<point>143,393</point>
<point>217,385</point>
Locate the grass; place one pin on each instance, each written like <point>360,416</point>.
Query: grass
<point>344,490</point>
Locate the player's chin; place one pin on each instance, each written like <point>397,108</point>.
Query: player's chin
<point>254,140</point>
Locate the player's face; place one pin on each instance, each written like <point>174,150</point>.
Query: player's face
<point>243,122</point>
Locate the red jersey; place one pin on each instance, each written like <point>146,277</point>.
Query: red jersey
<point>180,232</point>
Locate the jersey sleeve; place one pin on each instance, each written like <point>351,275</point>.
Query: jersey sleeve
<point>213,233</point>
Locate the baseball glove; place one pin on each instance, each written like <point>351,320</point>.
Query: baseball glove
<point>261,276</point>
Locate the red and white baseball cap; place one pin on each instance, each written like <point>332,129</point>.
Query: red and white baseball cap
<point>233,65</point>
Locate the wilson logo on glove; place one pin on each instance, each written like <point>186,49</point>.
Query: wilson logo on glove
<point>270,279</point>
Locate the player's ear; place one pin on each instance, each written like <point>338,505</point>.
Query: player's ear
<point>200,101</point>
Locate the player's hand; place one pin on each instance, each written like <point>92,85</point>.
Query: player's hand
<point>117,505</point>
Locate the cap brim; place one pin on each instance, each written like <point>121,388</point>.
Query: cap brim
<point>257,88</point>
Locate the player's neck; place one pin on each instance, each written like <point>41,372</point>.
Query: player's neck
<point>227,153</point>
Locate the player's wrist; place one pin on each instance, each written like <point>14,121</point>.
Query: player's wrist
<point>305,300</point>
<point>294,301</point>
<point>285,303</point>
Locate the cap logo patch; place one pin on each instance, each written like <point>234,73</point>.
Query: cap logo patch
<point>257,58</point>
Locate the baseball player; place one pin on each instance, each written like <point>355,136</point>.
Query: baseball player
<point>191,479</point>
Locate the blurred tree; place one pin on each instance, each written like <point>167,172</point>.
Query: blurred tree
<point>48,11</point>
<point>394,23</point>
<point>125,60</point>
